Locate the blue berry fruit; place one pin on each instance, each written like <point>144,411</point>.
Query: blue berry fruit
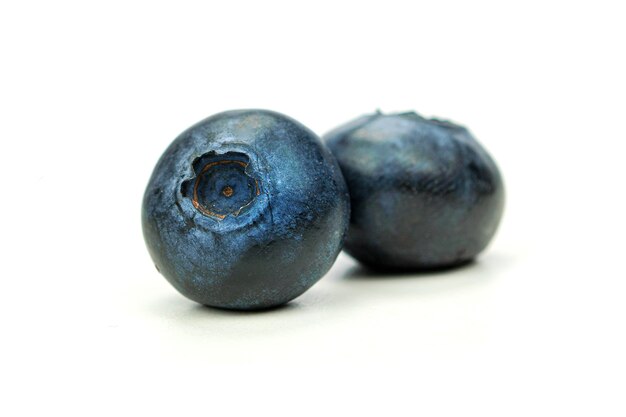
<point>424,193</point>
<point>245,210</point>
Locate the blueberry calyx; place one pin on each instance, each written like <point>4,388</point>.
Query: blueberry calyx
<point>222,185</point>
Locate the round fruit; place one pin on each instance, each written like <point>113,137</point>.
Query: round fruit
<point>424,193</point>
<point>245,210</point>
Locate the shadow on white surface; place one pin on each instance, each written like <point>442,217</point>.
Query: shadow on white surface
<point>378,286</point>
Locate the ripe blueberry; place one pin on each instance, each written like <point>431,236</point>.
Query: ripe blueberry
<point>245,210</point>
<point>424,193</point>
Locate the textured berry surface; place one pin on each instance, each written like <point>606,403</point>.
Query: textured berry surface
<point>424,193</point>
<point>245,210</point>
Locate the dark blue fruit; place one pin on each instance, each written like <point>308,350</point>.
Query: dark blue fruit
<point>245,210</point>
<point>424,193</point>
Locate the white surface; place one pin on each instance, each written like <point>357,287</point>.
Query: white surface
<point>90,95</point>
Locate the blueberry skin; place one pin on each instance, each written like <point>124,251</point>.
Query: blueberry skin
<point>245,210</point>
<point>424,193</point>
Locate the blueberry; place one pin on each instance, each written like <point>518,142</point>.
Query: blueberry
<point>245,210</point>
<point>424,193</point>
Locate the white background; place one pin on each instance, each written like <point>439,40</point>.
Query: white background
<point>92,93</point>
